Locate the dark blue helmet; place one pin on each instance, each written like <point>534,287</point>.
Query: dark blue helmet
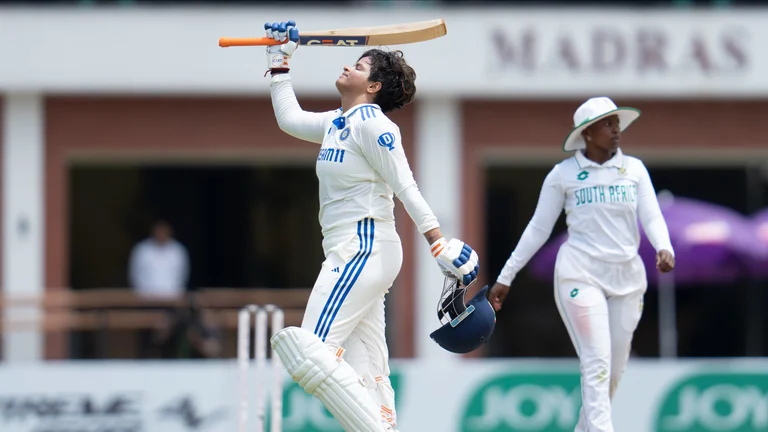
<point>465,326</point>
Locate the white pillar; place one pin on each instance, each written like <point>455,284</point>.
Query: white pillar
<point>438,172</point>
<point>23,218</point>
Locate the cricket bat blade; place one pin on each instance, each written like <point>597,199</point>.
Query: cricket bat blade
<point>396,34</point>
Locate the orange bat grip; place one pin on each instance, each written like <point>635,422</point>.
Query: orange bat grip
<point>256,41</point>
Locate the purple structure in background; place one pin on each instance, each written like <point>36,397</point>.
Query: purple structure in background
<point>759,223</point>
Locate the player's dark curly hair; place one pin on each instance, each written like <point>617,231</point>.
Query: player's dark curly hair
<point>398,80</point>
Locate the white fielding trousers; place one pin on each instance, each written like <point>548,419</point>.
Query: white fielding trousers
<point>601,304</point>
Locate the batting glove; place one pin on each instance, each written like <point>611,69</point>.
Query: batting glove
<point>456,259</point>
<point>277,55</point>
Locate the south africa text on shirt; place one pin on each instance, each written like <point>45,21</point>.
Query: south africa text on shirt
<point>620,193</point>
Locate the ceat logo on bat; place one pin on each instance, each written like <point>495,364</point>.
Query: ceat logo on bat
<point>337,40</point>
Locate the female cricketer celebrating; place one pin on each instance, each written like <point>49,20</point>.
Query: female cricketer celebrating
<point>340,353</point>
<point>599,277</point>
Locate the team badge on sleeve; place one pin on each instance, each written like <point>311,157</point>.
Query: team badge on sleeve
<point>387,139</point>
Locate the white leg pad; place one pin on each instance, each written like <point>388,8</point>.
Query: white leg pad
<point>315,367</point>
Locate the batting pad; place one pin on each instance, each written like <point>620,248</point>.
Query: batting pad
<point>313,365</point>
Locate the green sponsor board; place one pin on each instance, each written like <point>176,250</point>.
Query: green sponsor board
<point>543,402</point>
<point>735,402</point>
<point>303,412</point>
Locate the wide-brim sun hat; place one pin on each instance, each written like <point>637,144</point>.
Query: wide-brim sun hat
<point>592,111</point>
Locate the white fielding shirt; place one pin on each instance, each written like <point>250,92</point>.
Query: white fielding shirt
<point>360,166</point>
<point>602,204</point>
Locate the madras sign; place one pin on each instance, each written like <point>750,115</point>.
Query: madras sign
<point>628,49</point>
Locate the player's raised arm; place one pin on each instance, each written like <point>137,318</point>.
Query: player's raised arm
<point>548,208</point>
<point>305,125</point>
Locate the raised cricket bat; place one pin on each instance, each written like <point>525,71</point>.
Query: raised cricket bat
<point>350,37</point>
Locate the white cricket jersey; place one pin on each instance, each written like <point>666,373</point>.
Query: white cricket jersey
<point>361,165</point>
<point>602,204</point>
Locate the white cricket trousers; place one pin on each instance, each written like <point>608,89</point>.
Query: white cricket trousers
<point>346,306</point>
<point>600,303</point>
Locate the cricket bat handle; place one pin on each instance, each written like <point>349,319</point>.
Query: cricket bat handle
<point>254,41</point>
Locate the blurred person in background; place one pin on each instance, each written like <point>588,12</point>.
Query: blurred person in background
<point>361,167</point>
<point>159,264</point>
<point>158,269</point>
<point>600,279</point>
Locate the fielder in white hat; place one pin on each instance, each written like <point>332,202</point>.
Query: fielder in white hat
<point>599,279</point>
<point>593,111</point>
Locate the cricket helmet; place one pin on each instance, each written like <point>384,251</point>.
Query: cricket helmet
<point>465,326</point>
